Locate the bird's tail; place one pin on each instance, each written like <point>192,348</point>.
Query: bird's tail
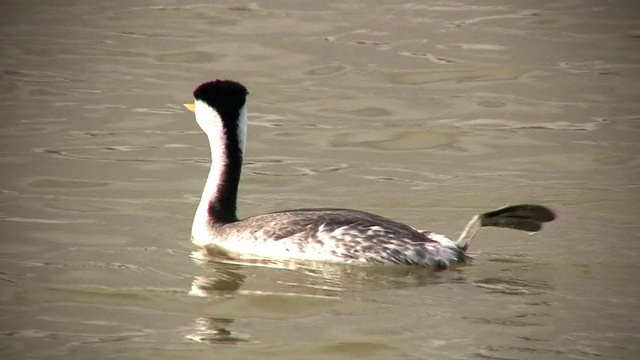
<point>525,217</point>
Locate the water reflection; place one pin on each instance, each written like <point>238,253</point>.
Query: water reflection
<point>256,290</point>
<point>216,331</point>
<point>223,279</point>
<point>226,283</point>
<point>261,289</point>
<point>308,278</point>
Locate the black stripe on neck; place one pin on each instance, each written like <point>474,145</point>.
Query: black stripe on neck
<point>227,98</point>
<point>223,208</point>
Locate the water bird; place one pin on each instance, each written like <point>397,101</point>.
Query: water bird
<point>323,234</point>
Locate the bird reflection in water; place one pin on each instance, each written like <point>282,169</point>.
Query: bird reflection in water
<point>215,331</point>
<point>224,279</point>
<point>225,283</point>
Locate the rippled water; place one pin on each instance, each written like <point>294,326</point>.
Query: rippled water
<point>426,112</point>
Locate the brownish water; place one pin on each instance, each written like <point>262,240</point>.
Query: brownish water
<point>424,112</point>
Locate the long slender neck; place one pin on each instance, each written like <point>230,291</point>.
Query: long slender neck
<point>219,199</point>
<point>221,190</point>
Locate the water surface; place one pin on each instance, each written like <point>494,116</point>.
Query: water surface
<point>424,112</point>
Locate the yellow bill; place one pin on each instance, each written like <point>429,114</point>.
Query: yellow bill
<point>191,107</point>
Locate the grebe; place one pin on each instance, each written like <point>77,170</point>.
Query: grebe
<point>334,235</point>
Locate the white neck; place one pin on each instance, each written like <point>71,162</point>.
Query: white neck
<point>201,220</point>
<point>216,187</point>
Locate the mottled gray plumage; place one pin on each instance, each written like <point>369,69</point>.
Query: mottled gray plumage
<point>339,235</point>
